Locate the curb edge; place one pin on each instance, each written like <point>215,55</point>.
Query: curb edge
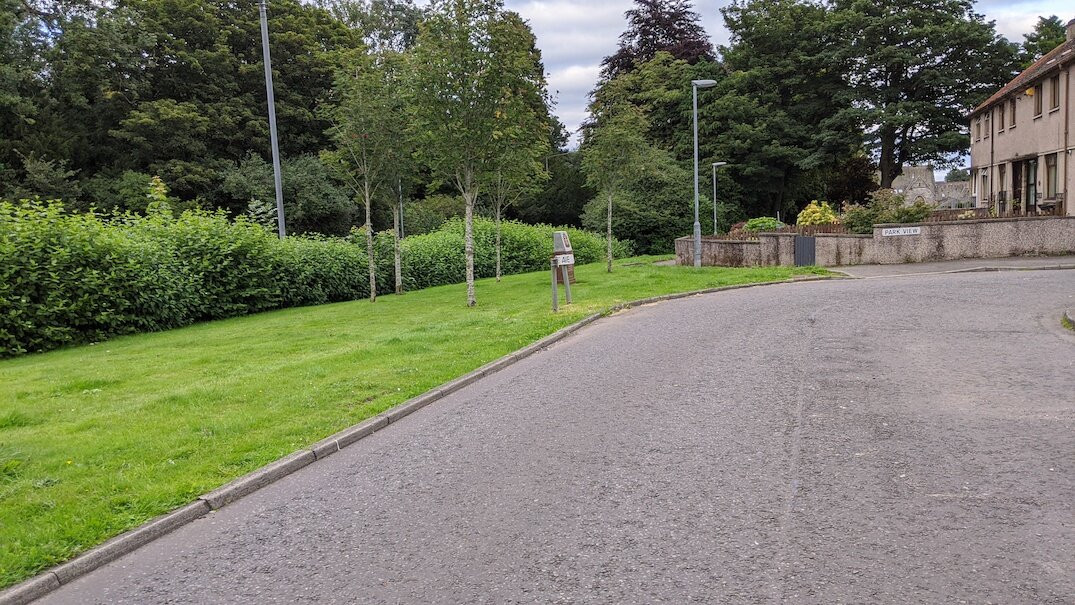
<point>53,578</point>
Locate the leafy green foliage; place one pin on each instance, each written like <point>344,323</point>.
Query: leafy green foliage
<point>916,70</point>
<point>858,218</point>
<point>163,87</point>
<point>73,278</point>
<point>763,223</point>
<point>885,206</point>
<point>1049,32</point>
<point>314,201</point>
<point>817,213</point>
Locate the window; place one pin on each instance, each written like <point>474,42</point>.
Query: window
<point>988,125</point>
<point>1000,117</point>
<point>1011,113</point>
<point>978,129</point>
<point>1050,176</point>
<point>984,191</point>
<point>1054,92</point>
<point>1001,173</point>
<point>1037,100</point>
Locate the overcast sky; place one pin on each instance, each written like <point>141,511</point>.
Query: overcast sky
<point>574,35</point>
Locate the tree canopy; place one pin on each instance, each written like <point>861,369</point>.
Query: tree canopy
<point>653,26</point>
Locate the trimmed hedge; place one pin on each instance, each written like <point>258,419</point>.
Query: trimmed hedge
<point>75,278</point>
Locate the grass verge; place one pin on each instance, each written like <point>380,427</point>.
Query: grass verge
<point>97,439</point>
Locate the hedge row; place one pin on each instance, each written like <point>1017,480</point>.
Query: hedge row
<point>75,278</point>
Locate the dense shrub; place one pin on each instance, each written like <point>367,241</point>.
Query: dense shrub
<point>858,218</point>
<point>763,223</point>
<point>73,278</point>
<point>885,206</point>
<point>817,213</point>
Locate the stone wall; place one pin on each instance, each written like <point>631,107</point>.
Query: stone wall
<point>949,240</point>
<point>719,252</point>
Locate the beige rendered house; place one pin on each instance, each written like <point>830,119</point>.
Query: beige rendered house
<point>1023,139</point>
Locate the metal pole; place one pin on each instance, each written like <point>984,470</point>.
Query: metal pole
<point>555,294</point>
<point>567,283</point>
<point>697,224</point>
<point>263,8</point>
<point>399,187</point>
<point>714,199</point>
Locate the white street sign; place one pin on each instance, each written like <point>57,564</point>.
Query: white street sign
<point>565,259</point>
<point>901,231</point>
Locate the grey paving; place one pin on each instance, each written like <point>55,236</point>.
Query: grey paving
<point>966,264</point>
<point>907,440</point>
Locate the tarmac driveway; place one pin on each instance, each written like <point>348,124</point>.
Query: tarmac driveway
<point>887,440</point>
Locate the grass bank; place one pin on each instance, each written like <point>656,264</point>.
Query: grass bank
<point>97,439</point>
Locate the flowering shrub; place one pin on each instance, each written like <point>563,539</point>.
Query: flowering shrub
<point>817,213</point>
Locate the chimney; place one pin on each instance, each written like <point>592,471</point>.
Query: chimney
<point>1071,30</point>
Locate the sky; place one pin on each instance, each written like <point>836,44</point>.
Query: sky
<point>575,35</point>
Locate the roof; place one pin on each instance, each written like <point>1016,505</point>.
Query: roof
<point>1051,60</point>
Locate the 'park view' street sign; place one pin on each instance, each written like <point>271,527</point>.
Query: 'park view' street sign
<point>901,231</point>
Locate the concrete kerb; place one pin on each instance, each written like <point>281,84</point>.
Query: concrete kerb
<point>125,543</point>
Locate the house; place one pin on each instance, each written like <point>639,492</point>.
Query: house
<point>918,183</point>
<point>1022,139</point>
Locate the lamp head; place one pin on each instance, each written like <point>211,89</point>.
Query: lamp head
<point>704,83</point>
<point>719,164</point>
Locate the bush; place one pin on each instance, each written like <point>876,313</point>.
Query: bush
<point>76,278</point>
<point>858,218</point>
<point>762,223</point>
<point>885,206</point>
<point>817,213</point>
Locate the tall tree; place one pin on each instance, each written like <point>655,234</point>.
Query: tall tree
<point>615,153</point>
<point>523,124</point>
<point>384,24</point>
<point>1049,32</point>
<point>368,126</point>
<point>653,26</point>
<point>917,69</point>
<point>773,118</point>
<point>467,58</point>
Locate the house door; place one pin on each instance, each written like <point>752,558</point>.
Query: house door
<point>1031,186</point>
<point>1017,186</point>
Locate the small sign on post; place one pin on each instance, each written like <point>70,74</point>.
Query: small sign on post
<point>562,265</point>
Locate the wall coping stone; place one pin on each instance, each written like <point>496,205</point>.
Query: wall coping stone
<point>972,221</point>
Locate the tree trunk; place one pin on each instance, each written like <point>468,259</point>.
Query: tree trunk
<point>498,211</point>
<point>468,244</point>
<point>608,238</point>
<point>369,246</point>
<point>887,163</point>
<point>397,250</point>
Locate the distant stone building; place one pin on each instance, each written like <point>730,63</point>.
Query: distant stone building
<point>918,183</point>
<point>1022,139</point>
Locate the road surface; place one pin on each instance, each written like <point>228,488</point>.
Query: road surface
<point>900,440</point>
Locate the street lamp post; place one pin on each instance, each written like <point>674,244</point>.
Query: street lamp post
<point>715,166</point>
<point>695,85</point>
<point>278,181</point>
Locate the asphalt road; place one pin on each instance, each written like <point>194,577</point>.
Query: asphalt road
<point>901,440</point>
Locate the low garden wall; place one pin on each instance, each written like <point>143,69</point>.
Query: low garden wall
<point>892,244</point>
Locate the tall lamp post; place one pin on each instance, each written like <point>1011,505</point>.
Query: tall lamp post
<point>695,85</point>
<point>263,9</point>
<point>715,166</point>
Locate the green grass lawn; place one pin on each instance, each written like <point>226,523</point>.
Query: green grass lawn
<point>97,439</point>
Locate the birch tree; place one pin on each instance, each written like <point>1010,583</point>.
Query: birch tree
<point>614,155</point>
<point>523,121</point>
<point>464,60</point>
<point>368,127</point>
